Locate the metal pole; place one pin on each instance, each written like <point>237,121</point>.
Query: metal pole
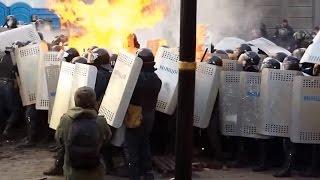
<point>184,128</point>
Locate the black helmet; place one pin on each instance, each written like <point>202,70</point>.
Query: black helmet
<point>215,60</point>
<point>249,58</point>
<point>270,63</point>
<point>100,57</point>
<point>79,59</point>
<point>298,53</point>
<point>146,55</point>
<point>11,22</point>
<point>307,68</point>
<point>221,54</point>
<point>70,54</point>
<point>280,56</point>
<point>299,35</point>
<point>291,63</point>
<point>245,47</point>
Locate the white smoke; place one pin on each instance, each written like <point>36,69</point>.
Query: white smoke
<point>223,18</point>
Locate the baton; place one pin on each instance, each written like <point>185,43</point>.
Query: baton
<point>204,55</point>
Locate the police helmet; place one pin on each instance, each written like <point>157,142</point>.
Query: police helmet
<point>298,53</point>
<point>215,60</point>
<point>270,63</point>
<point>280,56</point>
<point>291,63</point>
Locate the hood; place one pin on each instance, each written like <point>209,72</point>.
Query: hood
<point>78,111</point>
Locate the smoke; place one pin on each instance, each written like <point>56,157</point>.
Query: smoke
<point>223,18</point>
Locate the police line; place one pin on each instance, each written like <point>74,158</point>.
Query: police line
<point>255,105</point>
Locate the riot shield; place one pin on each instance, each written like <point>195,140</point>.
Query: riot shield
<point>27,59</point>
<point>268,47</point>
<point>276,97</point>
<point>63,93</point>
<point>52,76</point>
<point>84,75</point>
<point>229,97</point>
<point>206,90</point>
<point>168,73</point>
<point>249,107</point>
<point>229,43</point>
<point>305,123</point>
<point>22,34</point>
<point>231,65</point>
<point>46,59</point>
<point>312,54</point>
<point>120,88</point>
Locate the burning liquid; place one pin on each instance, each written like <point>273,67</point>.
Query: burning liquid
<point>105,23</point>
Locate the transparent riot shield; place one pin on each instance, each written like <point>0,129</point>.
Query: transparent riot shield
<point>229,43</point>
<point>46,59</point>
<point>276,97</point>
<point>206,90</point>
<point>249,107</point>
<point>268,46</point>
<point>229,97</point>
<point>305,123</point>
<point>27,59</point>
<point>168,73</point>
<point>120,89</point>
<point>231,65</point>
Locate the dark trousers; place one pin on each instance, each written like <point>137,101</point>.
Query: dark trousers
<point>9,105</point>
<point>37,122</point>
<point>138,149</point>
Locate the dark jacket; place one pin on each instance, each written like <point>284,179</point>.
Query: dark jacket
<point>103,77</point>
<point>146,94</point>
<point>62,136</point>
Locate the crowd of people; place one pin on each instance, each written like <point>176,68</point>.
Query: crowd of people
<point>83,137</point>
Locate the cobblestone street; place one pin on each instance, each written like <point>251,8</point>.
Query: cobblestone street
<point>17,164</point>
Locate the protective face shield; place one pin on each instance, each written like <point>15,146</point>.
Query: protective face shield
<point>280,56</point>
<point>298,53</point>
<point>270,63</point>
<point>307,68</point>
<point>215,60</point>
<point>70,54</point>
<point>291,63</point>
<point>249,58</point>
<point>11,22</point>
<point>98,57</point>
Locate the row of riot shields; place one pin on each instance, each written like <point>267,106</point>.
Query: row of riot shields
<point>274,103</point>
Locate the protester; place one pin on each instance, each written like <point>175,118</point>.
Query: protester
<point>82,133</point>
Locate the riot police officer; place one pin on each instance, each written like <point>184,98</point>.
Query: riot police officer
<point>284,35</point>
<point>11,22</point>
<point>9,106</point>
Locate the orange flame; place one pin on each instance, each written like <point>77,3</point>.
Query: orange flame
<point>105,23</point>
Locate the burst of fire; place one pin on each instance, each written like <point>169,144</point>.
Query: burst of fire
<point>106,23</point>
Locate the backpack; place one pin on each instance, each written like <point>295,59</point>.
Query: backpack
<point>84,143</point>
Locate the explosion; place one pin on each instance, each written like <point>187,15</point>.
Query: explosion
<point>106,23</point>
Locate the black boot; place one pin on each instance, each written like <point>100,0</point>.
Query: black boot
<point>262,165</point>
<point>312,171</point>
<point>240,161</point>
<point>57,169</point>
<point>289,149</point>
<point>27,143</point>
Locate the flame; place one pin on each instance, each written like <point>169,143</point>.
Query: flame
<point>106,23</point>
